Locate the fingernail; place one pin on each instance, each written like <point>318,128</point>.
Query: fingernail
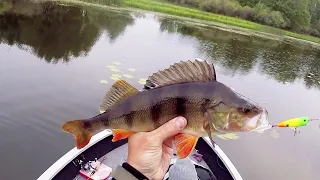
<point>181,122</point>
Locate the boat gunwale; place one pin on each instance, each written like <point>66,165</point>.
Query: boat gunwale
<point>224,158</point>
<point>63,161</point>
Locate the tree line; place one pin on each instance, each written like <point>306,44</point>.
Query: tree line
<point>302,16</point>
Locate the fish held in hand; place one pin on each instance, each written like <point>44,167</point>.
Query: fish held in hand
<point>187,89</point>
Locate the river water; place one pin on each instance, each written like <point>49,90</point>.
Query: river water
<point>53,68</point>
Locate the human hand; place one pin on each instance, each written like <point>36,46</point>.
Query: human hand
<point>151,152</point>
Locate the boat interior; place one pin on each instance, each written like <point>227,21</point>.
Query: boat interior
<point>202,164</point>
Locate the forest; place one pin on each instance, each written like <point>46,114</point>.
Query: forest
<point>302,16</point>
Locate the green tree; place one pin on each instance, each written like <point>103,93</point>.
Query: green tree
<point>295,11</point>
<point>250,3</point>
<point>193,3</point>
<point>315,13</point>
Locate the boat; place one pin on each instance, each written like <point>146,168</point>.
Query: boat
<point>209,161</point>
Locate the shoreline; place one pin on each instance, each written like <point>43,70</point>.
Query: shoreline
<point>205,23</point>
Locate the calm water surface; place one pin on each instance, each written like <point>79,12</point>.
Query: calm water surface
<point>52,58</point>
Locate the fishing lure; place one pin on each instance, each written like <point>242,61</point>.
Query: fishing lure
<point>294,123</point>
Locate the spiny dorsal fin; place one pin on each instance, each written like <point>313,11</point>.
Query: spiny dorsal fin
<point>182,72</point>
<point>119,91</point>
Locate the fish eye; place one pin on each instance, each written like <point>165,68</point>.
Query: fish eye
<point>246,110</point>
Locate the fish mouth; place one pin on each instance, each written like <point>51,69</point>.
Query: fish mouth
<point>258,123</point>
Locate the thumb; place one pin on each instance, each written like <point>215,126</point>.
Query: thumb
<point>169,129</point>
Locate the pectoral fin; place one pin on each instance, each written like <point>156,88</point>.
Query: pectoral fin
<point>185,144</point>
<point>229,136</point>
<point>208,126</point>
<point>119,134</point>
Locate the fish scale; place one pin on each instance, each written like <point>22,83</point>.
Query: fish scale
<point>164,104</point>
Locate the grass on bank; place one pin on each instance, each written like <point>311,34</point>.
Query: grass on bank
<point>188,12</point>
<point>103,2</point>
<point>167,8</point>
<point>172,9</point>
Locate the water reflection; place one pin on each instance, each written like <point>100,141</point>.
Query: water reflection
<point>58,32</point>
<point>239,54</point>
<point>38,98</point>
<point>114,24</point>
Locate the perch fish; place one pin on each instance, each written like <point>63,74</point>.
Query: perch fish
<point>188,89</point>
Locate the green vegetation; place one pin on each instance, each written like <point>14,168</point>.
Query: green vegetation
<point>295,15</point>
<point>298,19</point>
<point>188,12</point>
<point>105,2</point>
<point>260,13</point>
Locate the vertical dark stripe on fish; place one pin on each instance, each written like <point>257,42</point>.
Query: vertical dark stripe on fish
<point>181,106</point>
<point>205,105</point>
<point>87,125</point>
<point>105,122</point>
<point>155,114</point>
<point>128,113</point>
<point>129,119</point>
<point>101,119</point>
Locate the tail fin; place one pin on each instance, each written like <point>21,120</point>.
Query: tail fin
<point>76,128</point>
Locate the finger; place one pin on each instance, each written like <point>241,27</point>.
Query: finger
<point>169,129</point>
<point>169,142</point>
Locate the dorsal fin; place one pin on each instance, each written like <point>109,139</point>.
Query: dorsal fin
<point>119,91</point>
<point>182,72</point>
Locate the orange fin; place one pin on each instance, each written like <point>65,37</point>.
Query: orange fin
<point>119,134</point>
<point>76,128</point>
<point>185,144</point>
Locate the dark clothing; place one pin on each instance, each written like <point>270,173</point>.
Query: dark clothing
<point>127,172</point>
